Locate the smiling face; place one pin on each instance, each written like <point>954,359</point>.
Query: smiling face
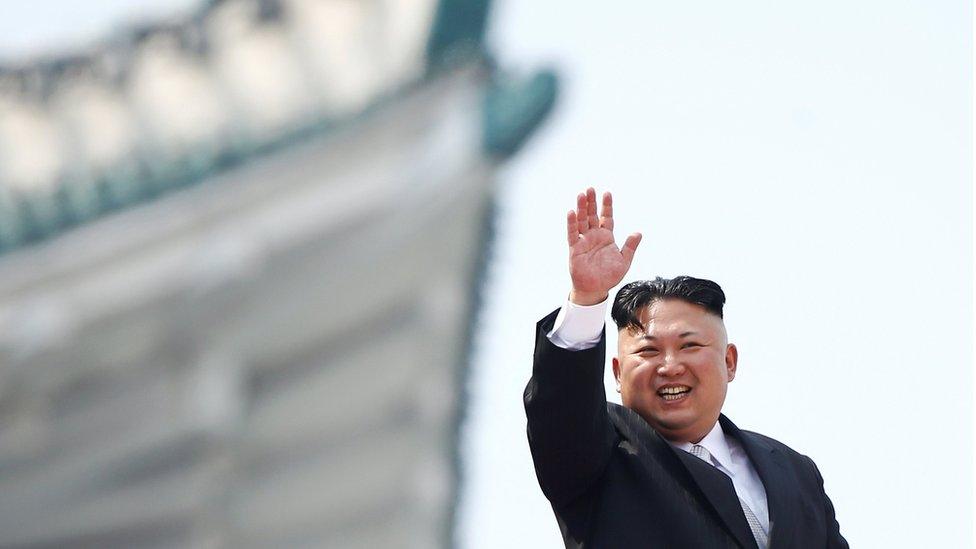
<point>675,373</point>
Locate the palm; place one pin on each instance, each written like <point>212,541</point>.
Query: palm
<point>596,264</point>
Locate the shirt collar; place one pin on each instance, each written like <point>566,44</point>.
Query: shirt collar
<point>716,444</point>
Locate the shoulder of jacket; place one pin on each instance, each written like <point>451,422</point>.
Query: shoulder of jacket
<point>790,453</point>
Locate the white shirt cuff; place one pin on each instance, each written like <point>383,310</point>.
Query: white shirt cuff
<point>578,327</point>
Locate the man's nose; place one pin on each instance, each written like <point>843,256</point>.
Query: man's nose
<point>671,366</point>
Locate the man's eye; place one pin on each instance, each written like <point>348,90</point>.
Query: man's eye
<point>691,345</point>
<point>648,351</point>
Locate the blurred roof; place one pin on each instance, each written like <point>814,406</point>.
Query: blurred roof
<point>156,107</point>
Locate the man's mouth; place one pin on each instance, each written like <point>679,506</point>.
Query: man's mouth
<point>676,392</point>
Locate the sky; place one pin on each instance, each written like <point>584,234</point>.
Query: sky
<point>42,26</point>
<point>815,159</point>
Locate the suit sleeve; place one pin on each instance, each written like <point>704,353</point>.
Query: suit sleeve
<point>834,539</point>
<point>569,431</point>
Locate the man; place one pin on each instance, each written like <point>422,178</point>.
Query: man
<point>666,469</point>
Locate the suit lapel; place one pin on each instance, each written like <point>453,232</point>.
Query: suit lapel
<point>714,487</point>
<point>717,488</point>
<point>777,478</point>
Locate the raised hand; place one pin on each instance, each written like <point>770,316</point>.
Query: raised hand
<point>595,262</point>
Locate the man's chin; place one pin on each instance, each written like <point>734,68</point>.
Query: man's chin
<point>669,421</point>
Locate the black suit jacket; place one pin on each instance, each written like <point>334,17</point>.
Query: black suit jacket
<point>614,482</point>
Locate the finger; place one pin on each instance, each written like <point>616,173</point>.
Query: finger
<point>606,213</point>
<point>630,246</point>
<point>582,219</point>
<point>572,230</point>
<point>592,220</point>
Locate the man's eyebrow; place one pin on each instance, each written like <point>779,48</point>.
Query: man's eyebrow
<point>652,338</point>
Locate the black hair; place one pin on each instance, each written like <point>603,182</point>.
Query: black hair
<point>633,297</point>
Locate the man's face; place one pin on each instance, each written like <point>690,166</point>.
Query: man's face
<point>676,372</point>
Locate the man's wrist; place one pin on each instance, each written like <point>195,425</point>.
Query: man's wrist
<point>587,298</point>
<point>578,327</point>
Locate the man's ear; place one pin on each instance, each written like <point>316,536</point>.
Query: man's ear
<point>616,370</point>
<point>731,360</point>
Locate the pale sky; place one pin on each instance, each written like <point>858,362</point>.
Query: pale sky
<point>40,26</point>
<point>815,160</point>
<point>812,158</point>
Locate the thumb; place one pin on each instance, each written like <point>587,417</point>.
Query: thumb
<point>630,246</point>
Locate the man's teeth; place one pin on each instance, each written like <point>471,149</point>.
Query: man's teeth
<point>673,393</point>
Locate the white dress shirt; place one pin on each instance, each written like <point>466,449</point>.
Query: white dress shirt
<point>729,457</point>
<point>579,327</point>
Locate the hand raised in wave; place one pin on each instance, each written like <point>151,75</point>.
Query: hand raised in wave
<point>595,263</point>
